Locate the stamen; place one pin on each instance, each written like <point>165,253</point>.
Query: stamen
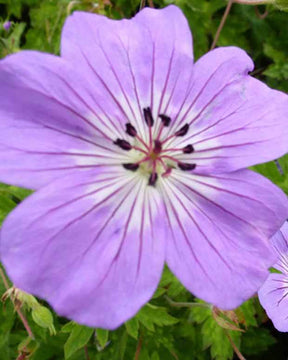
<point>148,116</point>
<point>167,172</point>
<point>142,142</point>
<point>166,120</point>
<point>183,131</point>
<point>123,144</point>
<point>157,147</point>
<point>186,166</point>
<point>152,179</point>
<point>130,166</point>
<point>188,149</point>
<point>130,130</point>
<point>139,149</point>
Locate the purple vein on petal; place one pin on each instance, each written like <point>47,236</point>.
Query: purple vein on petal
<point>83,154</point>
<point>194,134</point>
<point>109,92</point>
<point>163,92</point>
<point>143,213</point>
<point>189,91</point>
<point>140,121</point>
<point>195,222</point>
<point>165,110</point>
<point>231,192</point>
<point>86,104</point>
<point>72,201</point>
<point>282,281</point>
<point>152,77</point>
<point>221,207</point>
<point>174,210</point>
<point>184,117</point>
<point>94,207</point>
<point>116,77</point>
<point>66,167</point>
<point>73,111</point>
<point>80,138</point>
<point>123,237</point>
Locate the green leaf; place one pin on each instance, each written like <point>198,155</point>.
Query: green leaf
<point>271,171</point>
<point>257,340</point>
<point>214,336</point>
<point>6,205</point>
<point>121,348</point>
<point>28,346</point>
<point>78,338</point>
<point>217,339</point>
<point>102,337</point>
<point>200,314</point>
<point>155,356</point>
<point>282,4</point>
<point>132,327</point>
<point>67,328</point>
<point>249,313</point>
<point>151,315</point>
<point>144,355</point>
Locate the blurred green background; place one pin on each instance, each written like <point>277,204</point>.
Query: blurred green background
<point>174,325</point>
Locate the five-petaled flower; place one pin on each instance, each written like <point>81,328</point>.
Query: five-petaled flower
<point>273,295</point>
<point>139,155</point>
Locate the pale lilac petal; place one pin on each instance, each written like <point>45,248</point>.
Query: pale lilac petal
<point>51,124</point>
<point>219,228</point>
<point>92,246</point>
<point>235,120</point>
<point>273,296</point>
<point>139,60</point>
<point>280,245</point>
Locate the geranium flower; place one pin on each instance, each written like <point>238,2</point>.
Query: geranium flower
<point>273,295</point>
<point>7,25</point>
<point>139,155</point>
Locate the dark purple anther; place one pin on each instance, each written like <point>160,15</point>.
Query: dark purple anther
<point>166,120</point>
<point>183,131</point>
<point>148,116</point>
<point>152,179</point>
<point>157,147</point>
<point>130,130</point>
<point>188,149</point>
<point>186,166</point>
<point>131,166</point>
<point>123,144</point>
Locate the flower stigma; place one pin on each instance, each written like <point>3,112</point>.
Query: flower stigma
<point>153,158</point>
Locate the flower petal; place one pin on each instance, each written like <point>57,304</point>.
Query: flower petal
<point>219,229</point>
<point>47,125</point>
<point>273,296</point>
<point>139,70</point>
<point>235,120</point>
<point>280,245</point>
<point>95,242</point>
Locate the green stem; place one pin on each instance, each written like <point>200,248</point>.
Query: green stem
<point>186,304</point>
<point>222,23</point>
<point>19,312</point>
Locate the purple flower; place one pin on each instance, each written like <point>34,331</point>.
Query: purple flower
<point>7,25</point>
<point>273,295</point>
<point>139,155</point>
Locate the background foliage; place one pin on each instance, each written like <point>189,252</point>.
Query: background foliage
<point>174,325</point>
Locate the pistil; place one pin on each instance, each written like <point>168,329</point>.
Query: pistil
<point>154,154</point>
